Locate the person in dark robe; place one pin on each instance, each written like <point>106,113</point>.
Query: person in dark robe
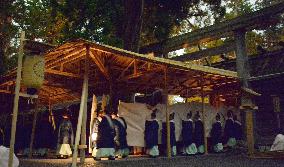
<point>172,135</point>
<point>105,139</point>
<point>229,136</point>
<point>199,134</point>
<point>44,129</point>
<point>187,135</point>
<point>65,139</point>
<point>120,139</point>
<point>216,135</point>
<point>237,129</point>
<point>94,133</point>
<point>151,136</point>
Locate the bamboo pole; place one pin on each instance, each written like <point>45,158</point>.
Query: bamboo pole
<point>167,116</point>
<point>83,134</point>
<point>203,114</point>
<point>33,128</point>
<point>84,98</point>
<point>16,99</point>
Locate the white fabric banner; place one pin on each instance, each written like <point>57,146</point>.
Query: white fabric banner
<point>135,115</point>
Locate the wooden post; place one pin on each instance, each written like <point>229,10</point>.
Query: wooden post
<point>84,99</point>
<point>249,131</point>
<point>167,116</point>
<point>33,128</point>
<point>203,114</point>
<point>83,135</point>
<point>16,99</point>
<point>244,75</point>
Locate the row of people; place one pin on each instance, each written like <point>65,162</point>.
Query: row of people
<point>108,138</point>
<point>193,140</point>
<point>232,132</point>
<point>192,134</point>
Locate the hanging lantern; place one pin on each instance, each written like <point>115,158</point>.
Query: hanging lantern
<point>33,72</point>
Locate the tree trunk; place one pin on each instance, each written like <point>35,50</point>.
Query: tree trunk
<point>133,24</point>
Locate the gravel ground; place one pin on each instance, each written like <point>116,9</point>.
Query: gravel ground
<point>211,160</point>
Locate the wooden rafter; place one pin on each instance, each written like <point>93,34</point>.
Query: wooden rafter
<point>99,64</point>
<point>62,73</point>
<point>132,76</point>
<point>75,52</point>
<point>123,72</point>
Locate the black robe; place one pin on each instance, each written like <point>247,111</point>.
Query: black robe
<point>65,133</point>
<point>238,132</point>
<point>44,129</point>
<point>187,132</point>
<point>199,133</point>
<point>105,138</point>
<point>216,133</point>
<point>120,127</point>
<point>151,133</point>
<point>172,134</point>
<point>228,130</point>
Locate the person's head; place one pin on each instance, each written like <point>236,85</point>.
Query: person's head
<point>153,115</point>
<point>218,117</point>
<point>114,115</point>
<point>280,131</point>
<point>197,115</point>
<point>65,115</point>
<point>100,113</point>
<point>229,114</point>
<point>172,116</point>
<point>189,115</point>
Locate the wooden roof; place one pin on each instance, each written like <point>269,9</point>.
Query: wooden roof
<point>126,71</point>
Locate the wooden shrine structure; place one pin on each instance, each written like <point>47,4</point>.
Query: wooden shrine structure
<point>83,66</point>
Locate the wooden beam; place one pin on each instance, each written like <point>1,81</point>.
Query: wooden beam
<point>169,149</point>
<point>131,76</point>
<point>65,57</point>
<point>100,65</point>
<point>227,47</point>
<point>84,99</point>
<point>5,91</point>
<point>66,74</point>
<point>248,21</point>
<point>123,72</point>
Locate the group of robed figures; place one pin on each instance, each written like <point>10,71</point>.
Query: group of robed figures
<point>192,134</point>
<point>109,135</point>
